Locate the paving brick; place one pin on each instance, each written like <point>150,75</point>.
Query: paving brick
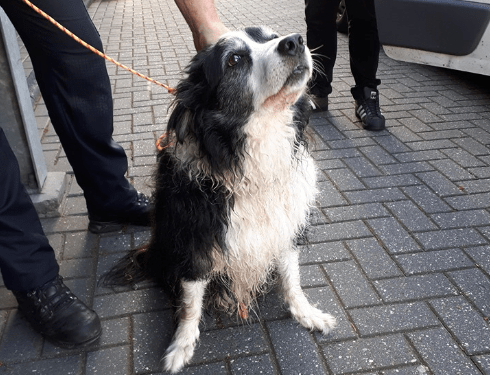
<point>439,183</point>
<point>476,286</point>
<point>362,167</point>
<point>414,287</point>
<point>440,239</point>
<point>355,212</point>
<point>391,181</point>
<point>351,285</point>
<point>374,195</point>
<point>462,219</point>
<point>433,261</point>
<point>115,243</point>
<point>373,259</point>
<point>466,324</point>
<point>329,196</point>
<point>477,186</point>
<point>426,199</point>
<point>260,364</point>
<point>393,235</point>
<point>472,146</point>
<point>393,318</point>
<point>76,267</point>
<point>218,368</point>
<point>405,168</point>
<point>19,341</point>
<point>470,202</point>
<point>483,362</point>
<point>337,231</point>
<point>151,335</point>
<point>71,365</point>
<point>463,158</point>
<point>391,144</point>
<point>312,276</point>
<point>345,180</point>
<point>294,348</point>
<point>441,353</point>
<point>481,255</point>
<point>109,361</point>
<point>452,170</point>
<point>79,245</point>
<point>368,354</point>
<point>411,370</point>
<point>414,156</point>
<point>109,306</point>
<point>377,155</point>
<point>329,133</point>
<point>323,252</point>
<point>411,216</point>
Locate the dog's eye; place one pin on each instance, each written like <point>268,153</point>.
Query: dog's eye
<point>274,36</point>
<point>233,59</point>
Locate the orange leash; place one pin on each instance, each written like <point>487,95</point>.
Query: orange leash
<point>94,50</point>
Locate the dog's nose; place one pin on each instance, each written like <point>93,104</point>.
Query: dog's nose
<point>291,45</point>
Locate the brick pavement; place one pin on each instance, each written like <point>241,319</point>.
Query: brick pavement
<point>400,249</point>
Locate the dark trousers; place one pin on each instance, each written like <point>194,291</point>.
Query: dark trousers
<point>76,89</point>
<point>26,259</point>
<point>364,44</point>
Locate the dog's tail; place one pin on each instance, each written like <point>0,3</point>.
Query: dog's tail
<point>128,270</point>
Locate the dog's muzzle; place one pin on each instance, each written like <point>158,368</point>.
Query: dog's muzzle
<point>292,45</point>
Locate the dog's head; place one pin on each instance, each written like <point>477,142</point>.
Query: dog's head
<point>248,71</point>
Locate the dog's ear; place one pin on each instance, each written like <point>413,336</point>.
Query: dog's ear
<point>212,65</point>
<point>181,121</point>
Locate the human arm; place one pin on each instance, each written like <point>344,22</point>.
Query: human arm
<point>203,20</point>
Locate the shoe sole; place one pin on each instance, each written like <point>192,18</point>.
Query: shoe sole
<point>98,227</point>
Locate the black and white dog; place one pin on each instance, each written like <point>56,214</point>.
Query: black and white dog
<point>234,185</point>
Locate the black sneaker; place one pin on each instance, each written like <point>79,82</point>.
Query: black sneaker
<point>367,108</point>
<point>137,214</point>
<point>57,314</point>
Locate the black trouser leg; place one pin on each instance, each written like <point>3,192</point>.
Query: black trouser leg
<point>27,260</point>
<point>77,92</point>
<point>363,39</point>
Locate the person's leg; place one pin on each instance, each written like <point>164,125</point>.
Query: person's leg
<point>321,36</point>
<point>27,260</point>
<point>364,50</point>
<point>77,92</point>
<point>29,268</point>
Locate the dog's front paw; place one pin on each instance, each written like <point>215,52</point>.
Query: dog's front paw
<point>177,356</point>
<point>315,319</point>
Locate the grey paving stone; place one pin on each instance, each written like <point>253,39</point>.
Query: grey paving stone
<point>368,354</point>
<point>477,186</point>
<point>483,362</point>
<point>218,368</point>
<point>393,318</point>
<point>115,243</point>
<point>481,255</point>
<point>373,259</point>
<point>345,180</point>
<point>362,167</point>
<point>391,144</point>
<point>79,245</point>
<point>19,341</point>
<point>7,299</point>
<point>115,331</point>
<point>355,212</point>
<point>312,276</point>
<point>329,133</point>
<point>323,252</point>
<point>433,261</point>
<point>413,156</point>
<point>113,305</point>
<point>406,168</point>
<point>374,195</point>
<point>329,195</point>
<point>470,329</point>
<point>441,353</point>
<point>230,342</point>
<point>470,202</point>
<point>351,285</point>
<point>72,365</point>
<point>426,199</point>
<point>393,235</point>
<point>294,348</point>
<point>324,299</point>
<point>391,181</point>
<point>452,170</point>
<point>411,216</point>
<point>151,335</point>
<point>414,287</point>
<point>463,158</point>
<point>461,219</point>
<point>338,231</point>
<point>439,183</point>
<point>411,370</point>
<point>441,239</point>
<point>109,361</point>
<point>76,267</point>
<point>476,286</point>
<point>377,155</point>
<point>259,364</point>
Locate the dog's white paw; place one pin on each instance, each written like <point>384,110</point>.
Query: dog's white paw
<point>177,356</point>
<point>315,319</point>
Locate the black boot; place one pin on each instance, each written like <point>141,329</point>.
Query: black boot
<point>57,314</point>
<point>137,214</point>
<point>367,108</point>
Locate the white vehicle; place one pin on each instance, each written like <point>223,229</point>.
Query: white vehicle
<point>453,34</point>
